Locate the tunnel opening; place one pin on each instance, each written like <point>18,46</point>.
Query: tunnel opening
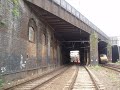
<point>80,52</point>
<point>75,57</point>
<point>65,56</point>
<point>84,55</point>
<point>102,52</point>
<point>115,53</point>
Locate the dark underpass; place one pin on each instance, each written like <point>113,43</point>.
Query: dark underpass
<point>74,43</point>
<point>102,49</point>
<point>84,50</point>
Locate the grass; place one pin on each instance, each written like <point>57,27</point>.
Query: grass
<point>118,62</point>
<point>1,82</point>
<point>96,68</point>
<point>113,77</point>
<point>2,24</point>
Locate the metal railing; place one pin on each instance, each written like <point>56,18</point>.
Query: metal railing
<point>77,14</point>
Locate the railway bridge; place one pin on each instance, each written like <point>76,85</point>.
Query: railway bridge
<point>38,35</point>
<point>71,28</point>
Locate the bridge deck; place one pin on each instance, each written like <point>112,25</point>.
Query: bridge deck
<point>61,10</point>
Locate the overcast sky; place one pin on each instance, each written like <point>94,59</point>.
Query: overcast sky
<point>105,14</point>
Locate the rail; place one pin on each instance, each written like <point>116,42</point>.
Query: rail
<point>51,74</point>
<point>112,67</point>
<point>87,80</point>
<point>93,79</point>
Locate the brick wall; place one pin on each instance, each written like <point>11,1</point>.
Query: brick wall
<point>17,53</point>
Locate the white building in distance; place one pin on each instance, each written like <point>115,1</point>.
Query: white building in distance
<point>115,40</point>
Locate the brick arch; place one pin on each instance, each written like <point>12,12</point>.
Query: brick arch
<point>33,25</point>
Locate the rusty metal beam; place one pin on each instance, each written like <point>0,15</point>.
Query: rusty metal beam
<point>77,41</point>
<point>60,24</point>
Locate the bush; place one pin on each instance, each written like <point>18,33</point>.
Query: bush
<point>96,67</point>
<point>1,82</point>
<point>118,62</point>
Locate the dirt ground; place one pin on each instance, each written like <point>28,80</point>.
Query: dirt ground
<point>109,78</point>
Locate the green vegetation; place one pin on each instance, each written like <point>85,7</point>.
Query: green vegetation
<point>15,12</point>
<point>94,40</point>
<point>1,82</point>
<point>113,77</point>
<point>2,24</point>
<point>96,68</point>
<point>118,62</point>
<point>0,5</point>
<point>109,51</point>
<point>15,9</point>
<point>16,2</point>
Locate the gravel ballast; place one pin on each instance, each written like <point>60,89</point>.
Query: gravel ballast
<point>110,78</point>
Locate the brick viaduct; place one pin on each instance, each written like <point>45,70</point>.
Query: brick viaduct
<point>38,35</point>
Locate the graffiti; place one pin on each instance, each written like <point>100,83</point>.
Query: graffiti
<point>3,69</point>
<point>22,63</point>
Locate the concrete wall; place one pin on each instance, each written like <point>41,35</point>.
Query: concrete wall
<point>17,53</point>
<point>94,49</point>
<point>109,52</point>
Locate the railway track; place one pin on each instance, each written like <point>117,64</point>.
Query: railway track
<point>112,67</point>
<point>63,82</point>
<point>66,76</point>
<point>86,80</point>
<point>32,84</point>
